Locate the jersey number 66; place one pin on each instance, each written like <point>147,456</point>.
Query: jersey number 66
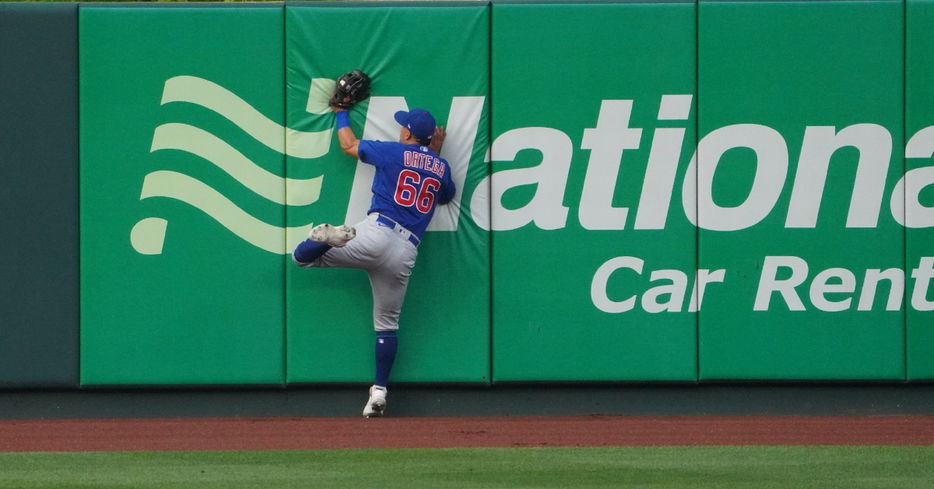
<point>413,189</point>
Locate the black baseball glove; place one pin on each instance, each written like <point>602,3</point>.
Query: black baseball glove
<point>351,88</point>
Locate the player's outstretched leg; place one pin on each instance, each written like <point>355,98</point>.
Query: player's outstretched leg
<point>376,404</point>
<point>336,236</point>
<point>386,345</point>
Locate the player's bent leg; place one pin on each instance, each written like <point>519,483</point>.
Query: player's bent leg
<point>336,236</point>
<point>364,251</point>
<point>308,251</point>
<point>321,239</point>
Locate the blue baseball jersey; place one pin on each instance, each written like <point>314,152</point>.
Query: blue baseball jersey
<point>410,181</point>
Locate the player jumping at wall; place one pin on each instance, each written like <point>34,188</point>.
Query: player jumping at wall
<point>411,179</point>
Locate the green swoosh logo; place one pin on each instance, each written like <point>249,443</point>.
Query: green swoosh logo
<point>148,235</point>
<point>201,143</point>
<point>214,97</point>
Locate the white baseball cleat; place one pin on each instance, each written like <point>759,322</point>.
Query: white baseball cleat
<point>376,404</point>
<point>336,236</point>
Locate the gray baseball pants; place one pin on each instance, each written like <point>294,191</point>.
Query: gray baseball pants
<point>388,258</point>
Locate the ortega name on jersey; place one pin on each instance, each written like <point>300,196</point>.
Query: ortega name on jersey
<point>424,161</point>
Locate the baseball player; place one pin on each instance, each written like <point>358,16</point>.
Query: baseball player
<point>410,181</point>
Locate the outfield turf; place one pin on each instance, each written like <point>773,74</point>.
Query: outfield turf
<point>851,467</point>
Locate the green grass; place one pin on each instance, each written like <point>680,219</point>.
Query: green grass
<point>662,467</point>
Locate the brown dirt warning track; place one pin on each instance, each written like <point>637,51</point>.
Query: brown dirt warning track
<point>81,435</point>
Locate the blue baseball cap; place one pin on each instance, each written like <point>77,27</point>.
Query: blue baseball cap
<point>418,121</point>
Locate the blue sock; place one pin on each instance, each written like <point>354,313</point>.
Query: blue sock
<point>386,344</point>
<point>308,251</point>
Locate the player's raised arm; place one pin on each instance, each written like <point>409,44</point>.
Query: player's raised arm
<point>345,135</point>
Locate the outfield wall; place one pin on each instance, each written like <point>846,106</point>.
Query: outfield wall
<point>675,191</point>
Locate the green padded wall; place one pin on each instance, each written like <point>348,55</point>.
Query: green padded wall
<point>182,196</point>
<point>444,333</point>
<point>593,258</point>
<point>799,150</point>
<point>919,195</point>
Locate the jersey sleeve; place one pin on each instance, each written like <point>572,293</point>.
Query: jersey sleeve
<point>369,151</point>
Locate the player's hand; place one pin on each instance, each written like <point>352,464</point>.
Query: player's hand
<point>338,109</point>
<point>437,139</point>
